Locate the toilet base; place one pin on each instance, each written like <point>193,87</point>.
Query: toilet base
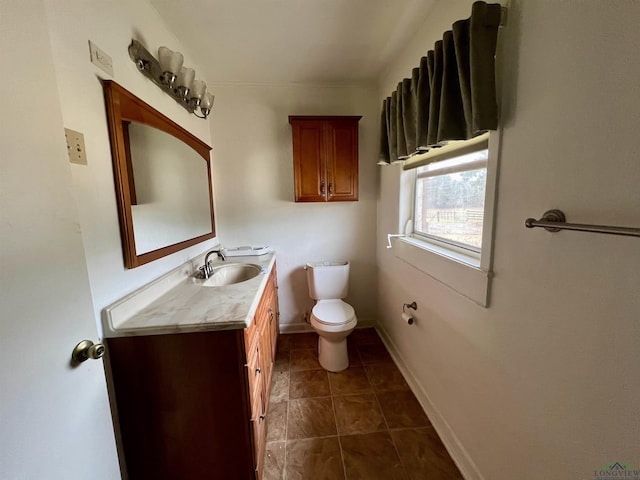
<point>332,354</point>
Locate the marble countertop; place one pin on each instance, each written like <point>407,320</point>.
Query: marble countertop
<point>178,303</point>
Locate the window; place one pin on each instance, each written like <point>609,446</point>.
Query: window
<point>449,200</point>
<point>449,194</point>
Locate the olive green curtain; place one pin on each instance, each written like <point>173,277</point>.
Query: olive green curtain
<point>451,95</point>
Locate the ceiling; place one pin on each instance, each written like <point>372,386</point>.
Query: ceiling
<point>292,41</point>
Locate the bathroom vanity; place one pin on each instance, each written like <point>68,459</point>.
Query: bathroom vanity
<point>191,374</point>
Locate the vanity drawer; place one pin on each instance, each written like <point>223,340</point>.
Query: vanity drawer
<point>250,336</point>
<point>252,332</point>
<point>254,375</point>
<point>259,431</point>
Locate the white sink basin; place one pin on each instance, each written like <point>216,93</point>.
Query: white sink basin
<point>231,274</point>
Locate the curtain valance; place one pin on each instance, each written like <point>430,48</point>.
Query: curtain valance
<point>451,95</point>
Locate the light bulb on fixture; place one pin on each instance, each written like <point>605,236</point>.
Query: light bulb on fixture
<point>198,88</point>
<point>184,81</point>
<point>206,104</point>
<point>170,64</point>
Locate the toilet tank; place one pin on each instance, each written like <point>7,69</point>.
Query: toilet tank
<point>328,280</point>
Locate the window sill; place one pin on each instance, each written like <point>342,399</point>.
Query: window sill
<point>458,271</point>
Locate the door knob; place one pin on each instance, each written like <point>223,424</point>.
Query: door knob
<point>87,349</point>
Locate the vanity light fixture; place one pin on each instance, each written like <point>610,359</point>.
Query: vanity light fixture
<point>168,73</point>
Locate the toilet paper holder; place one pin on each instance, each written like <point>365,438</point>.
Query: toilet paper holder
<point>408,317</point>
<point>412,306</point>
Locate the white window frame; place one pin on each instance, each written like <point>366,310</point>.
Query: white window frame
<point>467,272</point>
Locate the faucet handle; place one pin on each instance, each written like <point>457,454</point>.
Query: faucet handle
<point>204,271</point>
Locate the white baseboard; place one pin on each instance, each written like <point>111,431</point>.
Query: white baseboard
<point>299,327</point>
<point>458,453</point>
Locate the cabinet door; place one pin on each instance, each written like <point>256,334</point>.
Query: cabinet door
<point>308,161</point>
<point>342,160</point>
<point>182,406</point>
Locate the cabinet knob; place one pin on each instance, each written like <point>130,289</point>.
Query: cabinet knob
<point>262,417</point>
<point>258,370</point>
<point>270,315</point>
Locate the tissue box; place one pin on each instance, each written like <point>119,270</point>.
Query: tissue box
<point>245,251</point>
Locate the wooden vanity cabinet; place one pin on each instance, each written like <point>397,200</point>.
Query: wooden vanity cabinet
<point>325,158</point>
<point>195,405</point>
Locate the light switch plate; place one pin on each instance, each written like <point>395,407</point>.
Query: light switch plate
<point>75,147</point>
<point>100,58</point>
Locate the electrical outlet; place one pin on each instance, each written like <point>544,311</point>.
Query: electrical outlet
<point>100,59</point>
<point>75,147</point>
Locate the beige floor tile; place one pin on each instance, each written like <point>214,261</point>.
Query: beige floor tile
<point>366,336</point>
<point>277,421</point>
<point>372,353</point>
<point>423,455</point>
<point>282,361</point>
<point>305,359</point>
<point>282,354</point>
<point>385,377</point>
<point>351,380</point>
<point>279,386</point>
<point>274,458</point>
<point>304,340</point>
<point>358,414</point>
<point>354,357</point>
<point>310,417</point>
<point>314,459</point>
<point>284,343</point>
<point>402,410</point>
<point>309,383</point>
<point>371,457</point>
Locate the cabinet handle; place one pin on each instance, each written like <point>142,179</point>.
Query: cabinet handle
<point>270,315</point>
<point>258,370</point>
<point>330,188</point>
<point>322,187</point>
<point>262,417</point>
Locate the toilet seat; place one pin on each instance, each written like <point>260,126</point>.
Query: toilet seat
<point>333,313</point>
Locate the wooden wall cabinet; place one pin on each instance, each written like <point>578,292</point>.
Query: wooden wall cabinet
<point>195,405</point>
<point>325,158</point>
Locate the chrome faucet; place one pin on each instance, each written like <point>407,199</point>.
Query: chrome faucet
<point>207,269</point>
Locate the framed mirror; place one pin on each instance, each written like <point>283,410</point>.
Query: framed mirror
<point>162,177</point>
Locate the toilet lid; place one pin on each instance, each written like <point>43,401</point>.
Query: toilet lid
<point>333,312</point>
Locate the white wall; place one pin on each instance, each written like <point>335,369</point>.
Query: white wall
<point>110,25</point>
<point>544,383</point>
<point>253,174</point>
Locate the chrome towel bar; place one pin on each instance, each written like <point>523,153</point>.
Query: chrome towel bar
<point>554,221</point>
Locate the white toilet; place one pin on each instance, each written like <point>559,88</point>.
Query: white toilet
<point>331,318</point>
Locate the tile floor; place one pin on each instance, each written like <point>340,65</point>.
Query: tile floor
<point>360,424</point>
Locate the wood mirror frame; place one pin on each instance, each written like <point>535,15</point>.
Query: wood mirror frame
<point>122,108</point>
